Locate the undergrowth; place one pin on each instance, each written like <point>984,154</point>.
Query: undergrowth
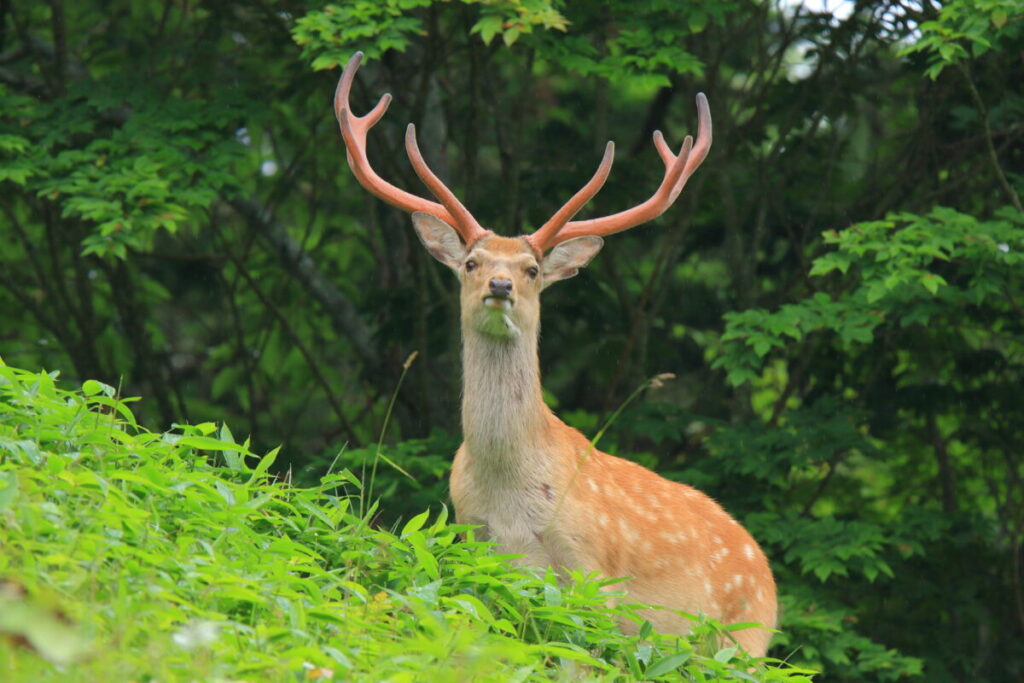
<point>131,555</point>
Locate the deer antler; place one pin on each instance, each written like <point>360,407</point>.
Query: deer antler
<point>678,169</point>
<point>354,129</point>
<point>544,237</point>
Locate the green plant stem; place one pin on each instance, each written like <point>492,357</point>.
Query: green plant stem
<point>368,492</point>
<point>655,381</point>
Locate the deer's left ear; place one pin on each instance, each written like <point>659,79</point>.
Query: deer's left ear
<point>566,259</point>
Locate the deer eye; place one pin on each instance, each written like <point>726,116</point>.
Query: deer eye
<point>532,272</point>
<point>470,265</point>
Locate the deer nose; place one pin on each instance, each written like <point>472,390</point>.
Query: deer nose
<point>500,287</point>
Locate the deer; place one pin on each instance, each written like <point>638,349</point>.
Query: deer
<point>535,486</point>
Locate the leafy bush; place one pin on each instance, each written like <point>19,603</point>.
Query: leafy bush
<point>132,555</point>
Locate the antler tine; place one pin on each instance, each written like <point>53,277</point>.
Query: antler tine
<point>678,169</point>
<point>464,222</point>
<point>353,132</point>
<point>341,94</point>
<point>703,144</point>
<point>664,151</point>
<point>540,239</point>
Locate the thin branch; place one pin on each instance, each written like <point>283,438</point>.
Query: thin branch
<point>122,290</point>
<point>833,465</point>
<point>947,478</point>
<point>60,51</point>
<point>62,334</point>
<point>298,263</point>
<point>297,341</point>
<point>989,146</point>
<point>243,352</point>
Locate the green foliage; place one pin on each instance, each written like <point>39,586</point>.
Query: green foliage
<point>164,564</point>
<point>513,18</point>
<point>646,43</point>
<point>966,29</point>
<point>168,160</point>
<point>822,631</point>
<point>330,33</point>
<point>421,481</point>
<point>903,271</point>
<point>924,310</point>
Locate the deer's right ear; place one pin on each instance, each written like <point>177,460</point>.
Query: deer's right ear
<point>440,239</point>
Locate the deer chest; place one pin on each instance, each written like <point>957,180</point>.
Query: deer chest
<point>521,517</point>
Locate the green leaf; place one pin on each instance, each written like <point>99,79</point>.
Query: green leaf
<point>645,630</point>
<point>415,524</point>
<point>14,143</point>
<point>667,664</point>
<point>8,489</point>
<point>569,652</point>
<point>510,36</point>
<point>698,21</point>
<point>91,387</point>
<point>762,345</point>
<point>488,27</point>
<point>210,444</point>
<point>424,557</point>
<point>725,654</point>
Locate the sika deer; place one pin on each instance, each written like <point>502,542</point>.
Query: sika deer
<point>534,484</point>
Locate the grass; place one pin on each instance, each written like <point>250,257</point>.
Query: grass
<point>132,555</point>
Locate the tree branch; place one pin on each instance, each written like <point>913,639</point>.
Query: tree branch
<point>297,262</point>
<point>297,341</point>
<point>989,146</point>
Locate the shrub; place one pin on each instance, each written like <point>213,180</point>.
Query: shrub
<point>132,555</point>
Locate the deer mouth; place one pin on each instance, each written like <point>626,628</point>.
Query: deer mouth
<point>500,303</point>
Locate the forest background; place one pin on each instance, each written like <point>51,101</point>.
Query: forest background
<point>838,291</point>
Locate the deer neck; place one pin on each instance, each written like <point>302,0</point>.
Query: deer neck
<point>504,418</point>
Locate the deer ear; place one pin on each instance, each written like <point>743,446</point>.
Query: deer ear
<point>440,239</point>
<point>566,259</point>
